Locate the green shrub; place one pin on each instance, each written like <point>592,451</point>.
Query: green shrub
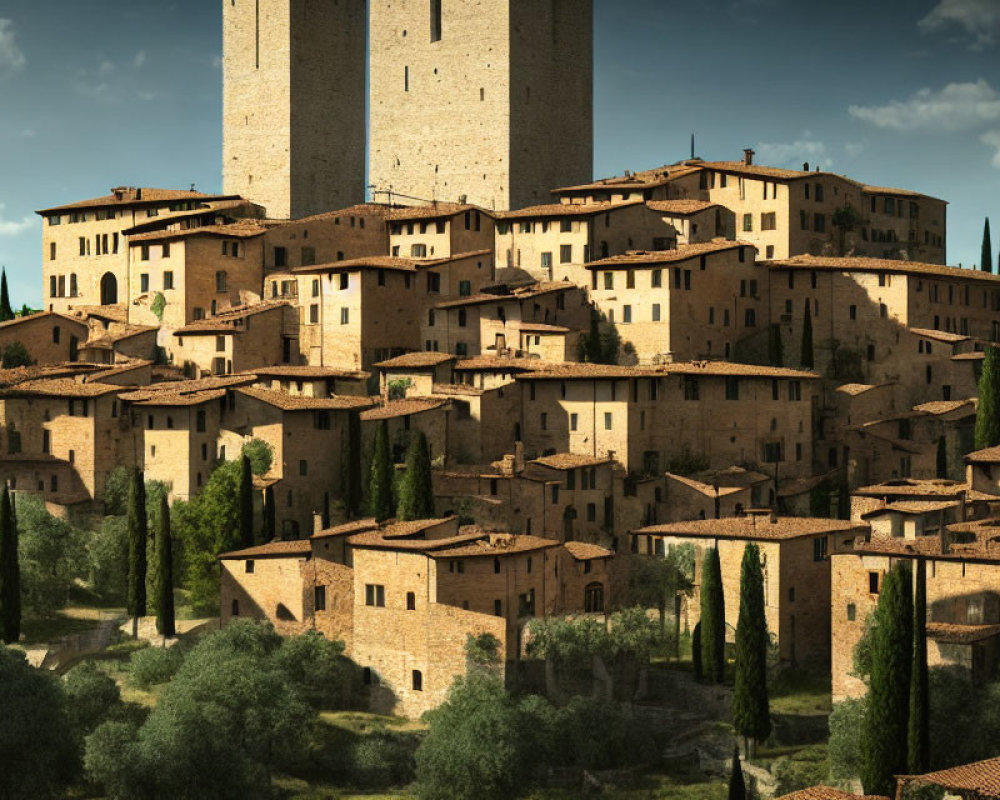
<point>383,759</point>
<point>154,665</point>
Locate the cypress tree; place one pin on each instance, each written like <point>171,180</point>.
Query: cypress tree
<point>986,261</point>
<point>988,409</point>
<point>380,503</point>
<point>10,572</point>
<point>737,786</point>
<point>6,312</point>
<point>713,618</point>
<point>137,535</point>
<point>696,651</point>
<point>416,491</point>
<point>942,458</point>
<point>246,503</point>
<point>165,576</point>
<point>593,341</point>
<point>775,347</point>
<point>268,523</point>
<point>351,473</point>
<point>886,722</point>
<point>919,731</point>
<point>751,711</point>
<point>807,359</point>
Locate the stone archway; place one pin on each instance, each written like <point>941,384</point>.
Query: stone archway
<point>109,289</point>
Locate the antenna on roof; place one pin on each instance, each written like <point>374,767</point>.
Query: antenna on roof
<point>692,146</point>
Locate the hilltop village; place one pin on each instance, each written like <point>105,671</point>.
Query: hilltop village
<point>702,355</point>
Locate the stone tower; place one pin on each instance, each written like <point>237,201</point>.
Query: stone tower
<point>294,104</point>
<point>487,99</point>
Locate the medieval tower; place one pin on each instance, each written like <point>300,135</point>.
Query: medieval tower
<point>487,99</point>
<point>294,104</point>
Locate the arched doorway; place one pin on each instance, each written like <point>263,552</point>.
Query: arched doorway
<point>109,289</point>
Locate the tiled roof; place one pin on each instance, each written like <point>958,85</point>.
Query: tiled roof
<point>989,455</point>
<point>292,549</point>
<point>754,527</point>
<point>705,488</point>
<point>433,211</point>
<point>571,461</point>
<point>113,313</point>
<point>514,295</point>
<point>376,541</point>
<point>974,356</point>
<point>862,264</point>
<point>159,223</point>
<point>571,370</point>
<point>496,546</point>
<point>681,207</point>
<point>564,210</point>
<point>291,402</point>
<point>900,192</point>
<point>456,390</point>
<point>401,408</point>
<point>18,321</point>
<point>638,181</point>
<point>148,196</point>
<point>961,634</point>
<point>359,210</point>
<point>190,387</point>
<point>420,358</point>
<point>583,551</point>
<point>227,320</point>
<point>404,529</point>
<point>938,407</point>
<point>913,487</point>
<point>541,327</point>
<point>61,387</point>
<point>854,389</point>
<point>308,373</point>
<point>978,541</point>
<point>939,336</point>
<point>912,507</point>
<point>982,777</point>
<point>496,364</point>
<point>828,793</point>
<point>347,529</point>
<point>365,262</point>
<point>119,368</point>
<point>245,229</point>
<point>109,338</point>
<point>683,252</point>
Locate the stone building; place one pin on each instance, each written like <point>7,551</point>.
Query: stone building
<point>293,76</point>
<point>787,212</point>
<point>795,555</point>
<point>49,337</point>
<point>85,258</point>
<point>695,301</point>
<point>505,87</point>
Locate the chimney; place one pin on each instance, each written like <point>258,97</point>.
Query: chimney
<point>805,166</point>
<point>748,155</point>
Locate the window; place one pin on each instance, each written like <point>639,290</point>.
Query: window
<point>319,603</point>
<point>498,608</point>
<point>545,421</point>
<point>772,452</point>
<point>750,318</point>
<point>248,567</point>
<point>608,420</point>
<point>418,251</point>
<point>593,598</point>
<point>52,251</point>
<point>546,260</point>
<point>464,288</point>
<point>375,595</point>
<point>144,282</point>
<point>168,280</point>
<point>690,387</point>
<point>852,612</point>
<point>308,256</point>
<point>853,312</point>
<point>626,313</point>
<point>345,316</point>
<point>411,601</point>
<point>609,280</point>
<point>872,583</point>
<point>303,467</point>
<point>555,494</point>
<point>55,335</point>
<point>220,281</point>
<point>433,282</point>
<point>819,223</point>
<point>573,421</point>
<point>794,390</point>
<point>314,314</point>
<point>220,344</point>
<point>656,278</point>
<point>748,222</point>
<point>406,86</point>
<point>804,218</point>
<point>565,253</point>
<point>769,221</point>
<point>418,678</point>
<point>819,549</point>
<point>656,312</point>
<point>819,192</point>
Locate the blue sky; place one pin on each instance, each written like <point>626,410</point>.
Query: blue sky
<point>896,92</point>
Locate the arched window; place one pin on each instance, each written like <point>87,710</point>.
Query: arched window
<point>593,598</point>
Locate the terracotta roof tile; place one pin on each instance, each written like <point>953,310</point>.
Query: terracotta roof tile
<point>433,211</point>
<point>291,402</point>
<point>113,313</point>
<point>308,373</point>
<point>293,549</point>
<point>148,195</point>
<point>584,551</point>
<point>854,389</point>
<point>347,529</point>
<point>572,370</point>
<point>229,320</point>
<point>828,793</point>
<point>682,207</point>
<point>961,634</point>
<point>168,388</point>
<point>19,321</point>
<point>912,507</point>
<point>939,336</point>
<point>564,461</point>
<point>493,545</point>
<point>938,407</point>
<point>564,210</point>
<point>376,541</point>
<point>417,359</point>
<point>683,252</point>
<point>401,408</point>
<point>514,295</point>
<point>705,488</point>
<point>61,387</point>
<point>862,264</point>
<point>365,262</point>
<point>900,192</point>
<point>244,229</point>
<point>982,777</point>
<point>913,487</point>
<point>989,455</point>
<point>756,527</point>
<point>495,364</point>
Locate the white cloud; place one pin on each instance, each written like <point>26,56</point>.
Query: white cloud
<point>11,57</point>
<point>13,228</point>
<point>854,149</point>
<point>958,106</point>
<point>106,68</point>
<point>139,60</point>
<point>979,18</point>
<point>794,154</point>
<point>992,138</point>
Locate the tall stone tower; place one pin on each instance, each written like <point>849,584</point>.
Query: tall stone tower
<point>490,99</point>
<point>294,104</point>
